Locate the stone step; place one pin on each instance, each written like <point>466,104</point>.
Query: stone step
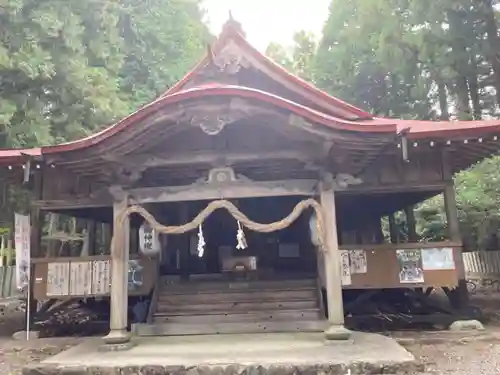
<point>263,316</point>
<point>236,296</point>
<point>168,329</point>
<point>230,307</point>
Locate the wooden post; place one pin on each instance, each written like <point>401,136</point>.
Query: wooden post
<point>461,295</point>
<point>393,229</point>
<point>91,228</point>
<point>36,222</point>
<point>411,223</point>
<point>336,331</point>
<point>118,334</point>
<point>184,242</point>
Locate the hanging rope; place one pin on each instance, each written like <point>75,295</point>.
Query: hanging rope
<point>118,236</point>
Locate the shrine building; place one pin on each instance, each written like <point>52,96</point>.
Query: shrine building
<point>245,200</point>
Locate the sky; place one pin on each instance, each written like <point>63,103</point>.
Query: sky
<point>266,21</point>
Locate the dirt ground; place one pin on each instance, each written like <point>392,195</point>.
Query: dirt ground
<point>476,356</point>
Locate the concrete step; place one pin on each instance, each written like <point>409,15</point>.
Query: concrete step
<point>264,316</point>
<point>231,307</point>
<point>236,296</point>
<point>168,329</point>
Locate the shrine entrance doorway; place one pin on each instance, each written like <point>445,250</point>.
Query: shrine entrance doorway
<point>284,254</point>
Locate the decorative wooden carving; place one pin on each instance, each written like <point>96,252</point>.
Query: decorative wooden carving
<point>218,176</point>
<point>213,123</point>
<point>343,180</point>
<point>230,60</point>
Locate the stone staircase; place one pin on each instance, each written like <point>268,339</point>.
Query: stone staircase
<point>222,307</point>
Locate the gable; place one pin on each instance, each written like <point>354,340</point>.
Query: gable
<point>232,60</point>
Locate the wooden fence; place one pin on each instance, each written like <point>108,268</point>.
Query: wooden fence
<point>482,264</point>
<point>8,286</point>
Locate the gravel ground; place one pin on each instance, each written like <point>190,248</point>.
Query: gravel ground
<point>476,357</point>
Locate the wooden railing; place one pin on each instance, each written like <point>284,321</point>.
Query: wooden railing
<point>482,264</point>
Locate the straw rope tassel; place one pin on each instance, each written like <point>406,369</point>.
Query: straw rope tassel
<point>240,238</point>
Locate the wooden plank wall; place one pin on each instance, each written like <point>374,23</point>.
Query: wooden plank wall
<point>420,169</point>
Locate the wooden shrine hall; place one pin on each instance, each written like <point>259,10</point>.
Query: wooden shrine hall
<point>246,200</point>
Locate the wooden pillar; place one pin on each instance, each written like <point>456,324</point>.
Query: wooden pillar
<point>36,222</point>
<point>460,295</point>
<point>333,279</point>
<point>183,243</point>
<point>411,223</point>
<point>393,229</point>
<point>118,334</point>
<point>92,229</point>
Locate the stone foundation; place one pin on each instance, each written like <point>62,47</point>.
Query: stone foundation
<point>248,354</point>
<point>278,369</point>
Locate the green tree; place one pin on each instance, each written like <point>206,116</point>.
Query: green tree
<point>58,69</point>
<point>69,68</point>
<point>297,58</point>
<point>163,39</point>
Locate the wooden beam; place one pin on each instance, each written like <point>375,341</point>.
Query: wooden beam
<point>436,187</point>
<point>71,204</point>
<point>210,158</point>
<point>230,190</point>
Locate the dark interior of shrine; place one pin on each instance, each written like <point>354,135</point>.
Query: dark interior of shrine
<point>287,251</point>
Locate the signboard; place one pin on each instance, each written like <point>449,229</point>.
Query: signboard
<point>23,253</point>
<point>358,261</point>
<point>80,278</point>
<point>345,270</point>
<point>101,277</point>
<point>288,250</point>
<point>410,266</point>
<point>438,259</point>
<point>149,241</point>
<point>58,274</point>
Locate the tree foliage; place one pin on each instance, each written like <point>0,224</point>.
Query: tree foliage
<point>68,68</point>
<point>418,59</point>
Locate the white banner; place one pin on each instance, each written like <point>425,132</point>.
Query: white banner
<point>23,253</point>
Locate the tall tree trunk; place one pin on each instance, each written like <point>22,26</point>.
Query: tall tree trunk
<point>460,65</point>
<point>474,90</point>
<point>494,43</point>
<point>463,100</point>
<point>443,100</point>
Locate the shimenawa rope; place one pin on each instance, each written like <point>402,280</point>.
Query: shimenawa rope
<point>118,235</point>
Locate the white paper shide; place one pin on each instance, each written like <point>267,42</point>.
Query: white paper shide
<point>23,253</point>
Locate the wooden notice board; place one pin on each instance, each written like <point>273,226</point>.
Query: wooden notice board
<point>386,266</point>
<point>80,277</point>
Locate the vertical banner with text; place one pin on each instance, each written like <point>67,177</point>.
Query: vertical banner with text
<point>22,244</point>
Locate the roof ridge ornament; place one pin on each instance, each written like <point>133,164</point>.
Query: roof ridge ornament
<point>231,25</point>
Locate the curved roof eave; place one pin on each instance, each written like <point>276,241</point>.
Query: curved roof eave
<point>415,129</point>
<point>225,91</point>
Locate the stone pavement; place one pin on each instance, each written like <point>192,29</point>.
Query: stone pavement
<point>283,354</point>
